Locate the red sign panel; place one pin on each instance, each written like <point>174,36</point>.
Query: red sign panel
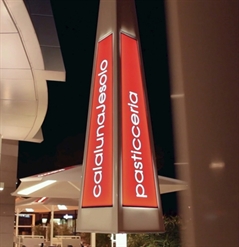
<point>138,182</point>
<point>98,181</point>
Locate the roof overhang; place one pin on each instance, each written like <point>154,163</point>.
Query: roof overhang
<point>29,56</point>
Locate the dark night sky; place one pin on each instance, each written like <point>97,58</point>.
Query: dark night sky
<point>65,123</point>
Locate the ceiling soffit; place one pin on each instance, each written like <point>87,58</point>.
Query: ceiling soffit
<point>25,67</point>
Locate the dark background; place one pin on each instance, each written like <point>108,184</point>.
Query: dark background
<point>65,122</point>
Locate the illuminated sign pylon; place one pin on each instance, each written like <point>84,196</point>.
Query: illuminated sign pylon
<point>120,190</point>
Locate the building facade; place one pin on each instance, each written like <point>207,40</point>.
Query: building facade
<point>30,55</point>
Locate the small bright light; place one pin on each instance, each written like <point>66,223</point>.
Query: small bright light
<point>41,199</point>
<point>66,216</point>
<point>1,186</point>
<point>112,238</point>
<point>217,165</point>
<point>44,220</point>
<point>36,187</point>
<point>62,207</point>
<point>24,215</point>
<point>29,209</point>
<point>121,239</point>
<point>58,221</point>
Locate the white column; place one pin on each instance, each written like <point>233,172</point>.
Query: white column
<point>93,239</point>
<point>33,223</point>
<point>17,223</point>
<point>8,176</point>
<point>52,225</point>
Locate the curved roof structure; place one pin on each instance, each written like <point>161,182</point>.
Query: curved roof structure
<point>29,56</point>
<point>50,184</point>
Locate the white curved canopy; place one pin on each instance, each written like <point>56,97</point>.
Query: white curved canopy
<point>50,184</point>
<point>23,73</point>
<point>44,204</point>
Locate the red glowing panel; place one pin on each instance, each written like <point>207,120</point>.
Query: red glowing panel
<point>138,181</point>
<point>98,181</point>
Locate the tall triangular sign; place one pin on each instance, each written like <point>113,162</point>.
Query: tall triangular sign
<point>120,191</point>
